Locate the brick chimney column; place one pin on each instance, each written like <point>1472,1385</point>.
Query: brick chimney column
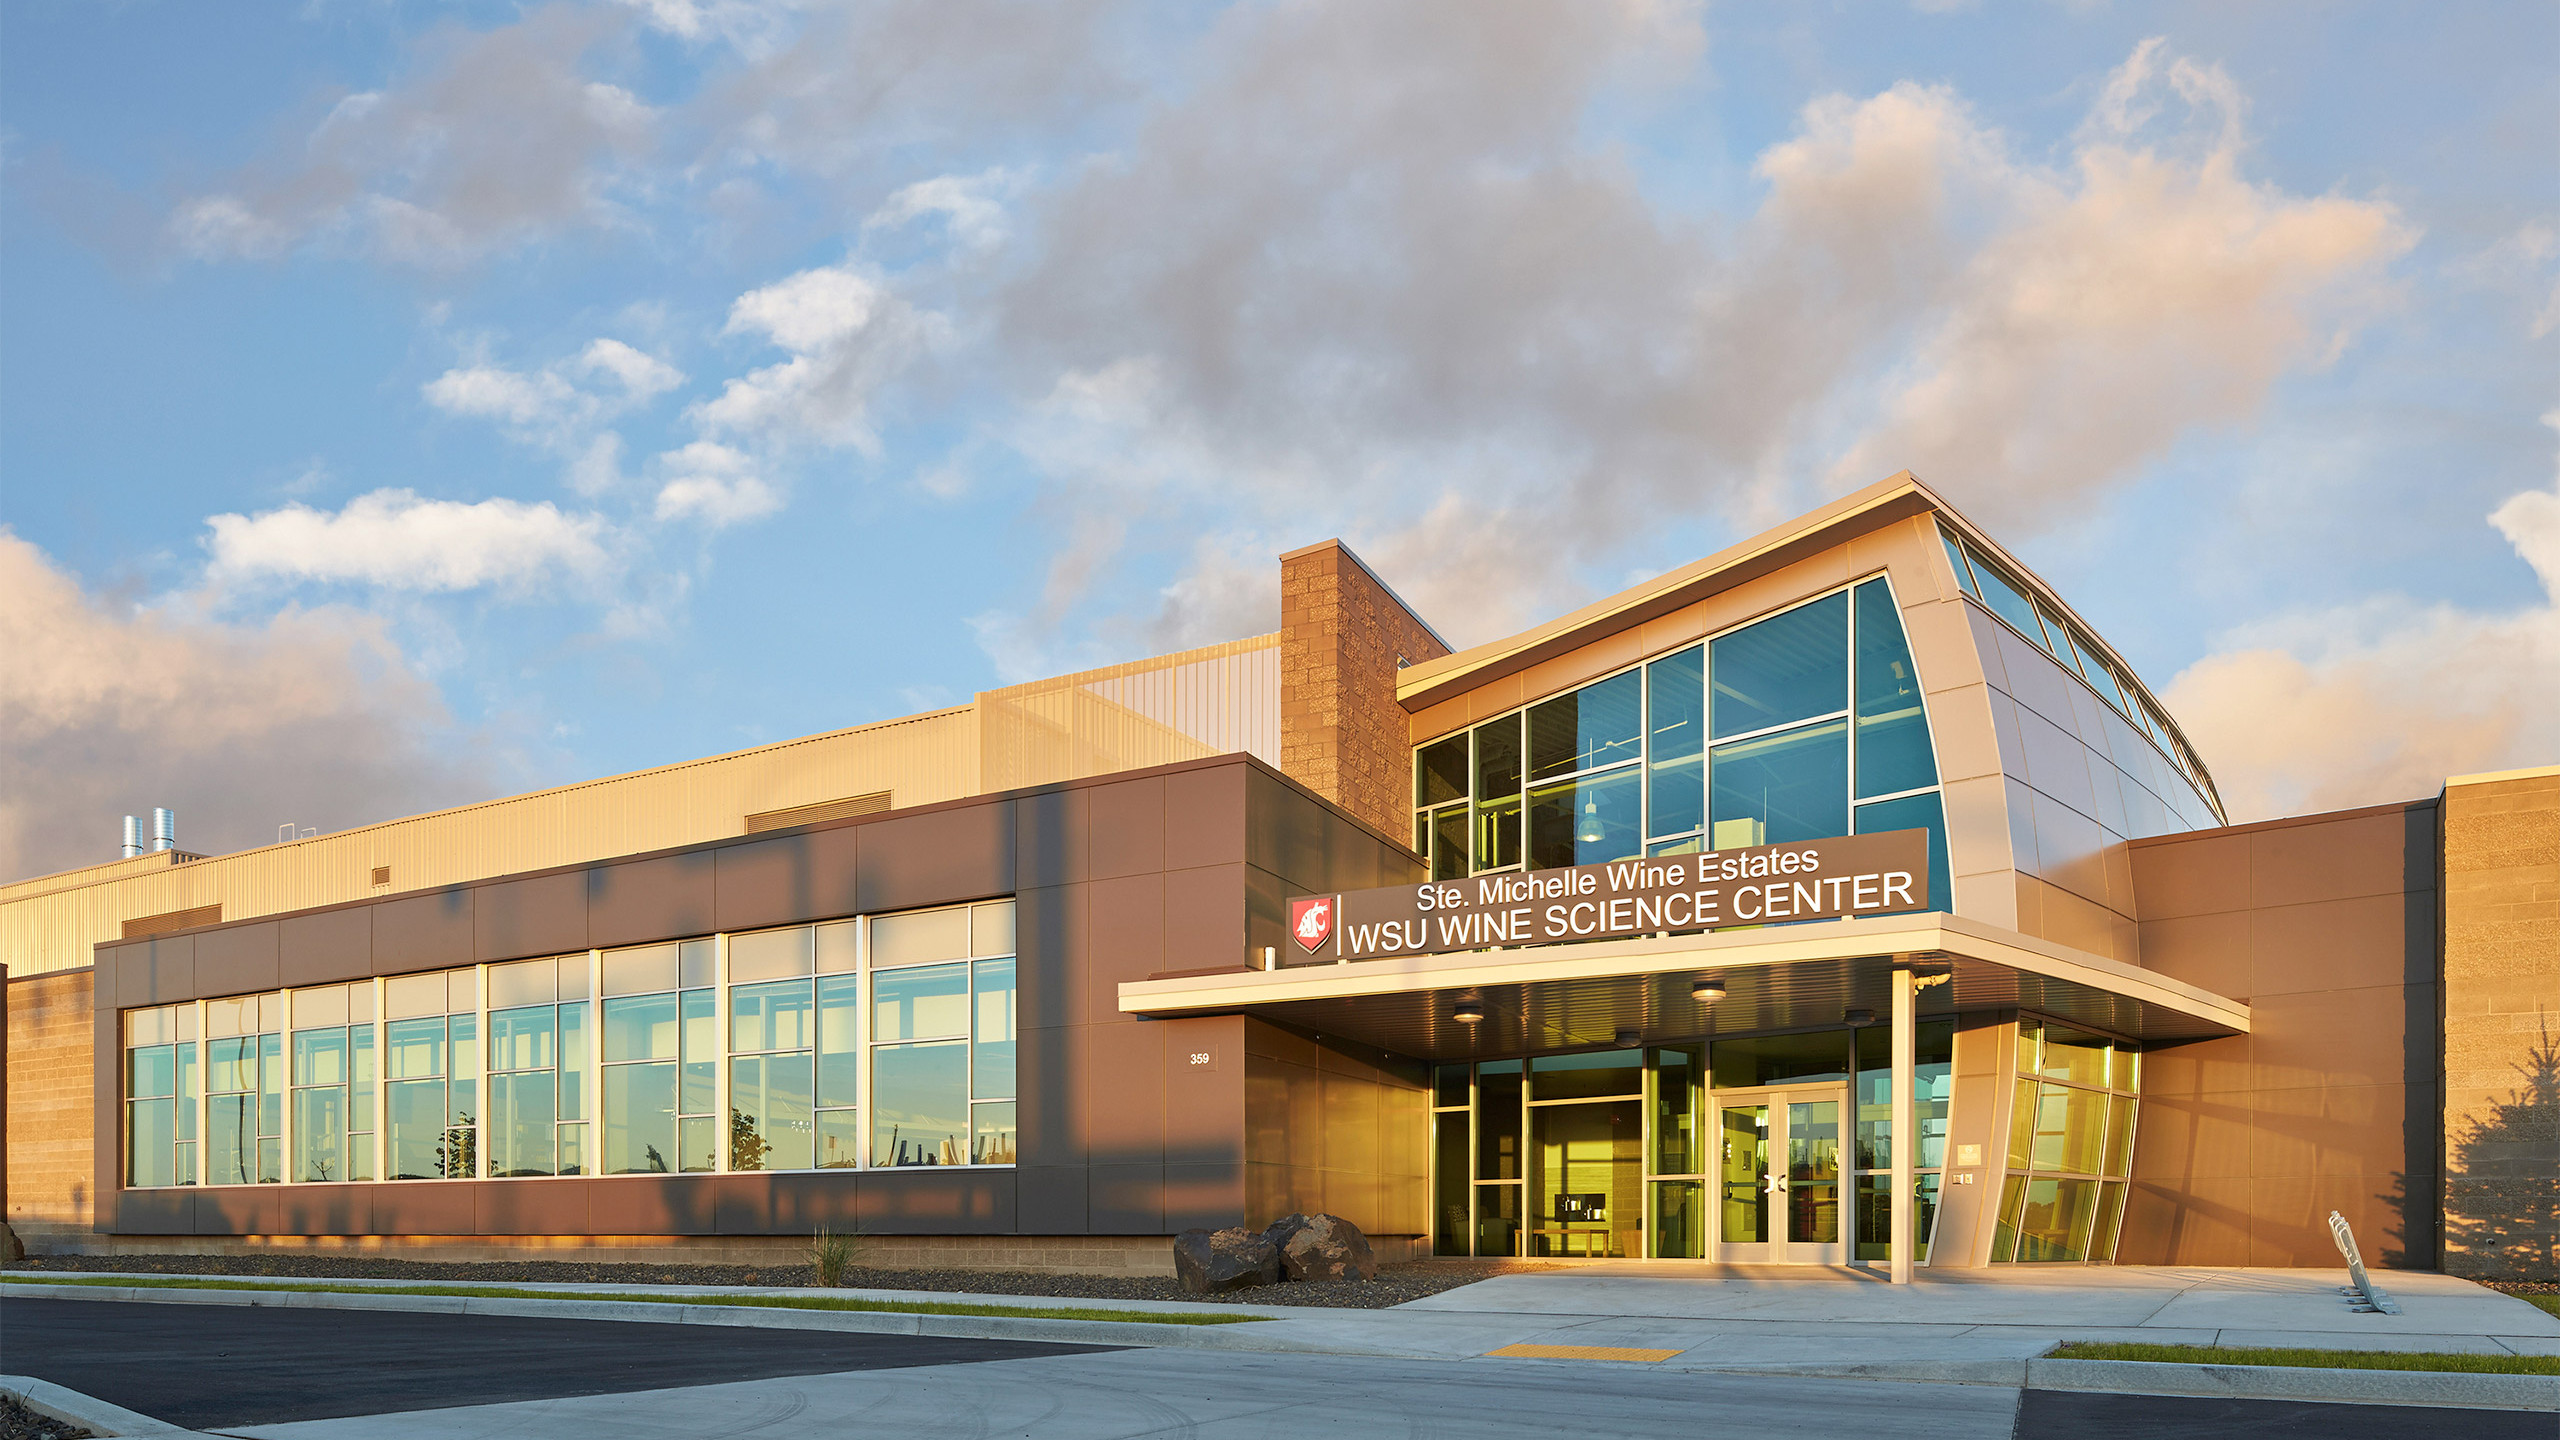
<point>1342,734</point>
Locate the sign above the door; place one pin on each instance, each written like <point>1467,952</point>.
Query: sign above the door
<point>1881,874</point>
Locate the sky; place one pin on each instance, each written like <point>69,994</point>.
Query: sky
<point>404,404</point>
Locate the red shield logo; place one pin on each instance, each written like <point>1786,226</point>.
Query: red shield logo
<point>1312,922</point>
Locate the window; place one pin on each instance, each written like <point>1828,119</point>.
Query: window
<point>660,1034</point>
<point>160,1096</point>
<point>773,1041</point>
<point>332,1041</point>
<point>2070,1151</point>
<point>538,1058</point>
<point>1932,1092</point>
<point>244,1090</point>
<point>431,1076</point>
<point>1767,733</point>
<point>942,1038</point>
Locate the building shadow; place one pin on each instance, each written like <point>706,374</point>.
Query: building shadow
<point>2502,1189</point>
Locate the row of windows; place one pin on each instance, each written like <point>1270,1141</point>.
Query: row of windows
<point>1799,726</point>
<point>2002,595</point>
<point>887,1041</point>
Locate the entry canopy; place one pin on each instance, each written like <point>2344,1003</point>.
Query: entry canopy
<point>1550,997</point>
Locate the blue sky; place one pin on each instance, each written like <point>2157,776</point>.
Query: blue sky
<point>405,404</point>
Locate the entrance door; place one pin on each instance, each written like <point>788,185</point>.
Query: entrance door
<point>1779,1178</point>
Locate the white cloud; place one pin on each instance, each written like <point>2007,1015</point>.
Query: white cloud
<point>713,485</point>
<point>970,207</point>
<point>2382,701</point>
<point>394,540</point>
<point>545,408</point>
<point>491,392</point>
<point>313,716</point>
<point>642,376</point>
<point>847,337</point>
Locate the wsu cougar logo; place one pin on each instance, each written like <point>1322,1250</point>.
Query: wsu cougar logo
<point>1312,922</point>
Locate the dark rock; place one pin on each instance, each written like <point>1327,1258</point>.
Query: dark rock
<point>1218,1262</point>
<point>1322,1247</point>
<point>11,1252</point>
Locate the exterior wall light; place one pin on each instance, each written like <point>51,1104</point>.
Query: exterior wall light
<point>1628,1035</point>
<point>1466,1012</point>
<point>1707,992</point>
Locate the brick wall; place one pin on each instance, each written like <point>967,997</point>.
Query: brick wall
<point>1342,734</point>
<point>2502,1027</point>
<point>50,1166</point>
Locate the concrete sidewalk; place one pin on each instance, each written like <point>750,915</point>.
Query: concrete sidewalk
<point>1978,1327</point>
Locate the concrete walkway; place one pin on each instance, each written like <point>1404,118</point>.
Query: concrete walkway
<point>1977,1327</point>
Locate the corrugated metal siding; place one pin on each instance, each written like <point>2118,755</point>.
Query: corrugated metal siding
<point>1216,700</point>
<point>923,758</point>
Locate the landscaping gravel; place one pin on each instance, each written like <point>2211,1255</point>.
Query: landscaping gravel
<point>17,1422</point>
<point>1395,1284</point>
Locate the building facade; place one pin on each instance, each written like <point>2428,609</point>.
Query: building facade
<point>1035,982</point>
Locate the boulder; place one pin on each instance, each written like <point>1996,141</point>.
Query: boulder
<point>1220,1261</point>
<point>1322,1247</point>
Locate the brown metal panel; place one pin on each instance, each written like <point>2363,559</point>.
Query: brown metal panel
<point>2205,875</point>
<point>324,1210</point>
<point>106,1092</point>
<point>151,972</point>
<point>803,1203</point>
<point>1204,816</point>
<point>1204,1098</point>
<point>1051,1200</point>
<point>237,960</point>
<point>785,881</point>
<point>1126,827</point>
<point>1266,919</point>
<point>1204,1197</point>
<point>1050,844</point>
<point>931,1201</point>
<point>238,1210</point>
<point>1049,937</point>
<point>645,900</point>
<point>155,1212</point>
<point>2334,1037</point>
<point>742,1204</point>
<point>325,948</point>
<point>543,915</point>
<point>1204,913</point>
<point>424,1207</point>
<point>650,1205</point>
<point>2299,864</point>
<point>1053,1111</point>
<point>2338,944</point>
<point>530,1207</point>
<point>422,932</point>
<point>1125,1200</point>
<point>964,853</point>
<point>2207,950</point>
<point>1125,933</point>
<point>1124,1093</point>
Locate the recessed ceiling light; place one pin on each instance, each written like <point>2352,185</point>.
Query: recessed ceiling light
<point>1466,1012</point>
<point>1707,992</point>
<point>1860,1016</point>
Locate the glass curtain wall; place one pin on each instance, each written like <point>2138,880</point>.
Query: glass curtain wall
<point>1799,726</point>
<point>616,1062</point>
<point>2071,1121</point>
<point>1932,1091</point>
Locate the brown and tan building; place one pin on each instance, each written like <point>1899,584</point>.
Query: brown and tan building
<point>1840,898</point>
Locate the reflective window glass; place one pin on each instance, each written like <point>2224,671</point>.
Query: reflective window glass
<point>1788,667</point>
<point>920,936</point>
<point>1916,812</point>
<point>1577,1077</point>
<point>921,1003</point>
<point>416,1138</point>
<point>151,1131</point>
<point>771,1122</point>
<point>1771,789</point>
<point>2054,1221</point>
<point>701,1045</point>
<point>1449,843</point>
<point>416,1048</point>
<point>522,1130</point>
<point>1820,1055</point>
<point>991,1138</point>
<point>150,1073</point>
<point>522,1038</point>
<point>1497,763</point>
<point>920,1104</point>
<point>1893,728</point>
<point>1955,559</point>
<point>573,1062</point>
<point>2008,602</point>
<point>638,970</point>
<point>772,954</point>
<point>991,1032</point>
<point>777,1015</point>
<point>1440,772</point>
<point>2071,1127</point>
<point>2072,1055</point>
<point>640,1027</point>
<point>839,1135</point>
<point>1932,1090</point>
<point>640,1119</point>
<point>1679,1102</point>
<point>1675,743</point>
<point>231,1139</point>
<point>1599,724</point>
<point>839,1058</point>
<point>2060,634</point>
<point>1497,842</point>
<point>1585,822</point>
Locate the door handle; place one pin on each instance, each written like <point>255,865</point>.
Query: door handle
<point>1773,1184</point>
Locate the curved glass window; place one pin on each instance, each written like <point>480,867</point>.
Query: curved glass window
<point>1893,730</point>
<point>1676,742</point>
<point>1772,789</point>
<point>1584,822</point>
<point>1789,667</point>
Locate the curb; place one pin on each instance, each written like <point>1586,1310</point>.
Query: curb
<point>86,1411</point>
<point>2435,1389</point>
<point>1132,1334</point>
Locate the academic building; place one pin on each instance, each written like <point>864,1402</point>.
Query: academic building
<point>1843,898</point>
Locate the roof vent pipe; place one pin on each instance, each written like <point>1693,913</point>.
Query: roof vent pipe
<point>164,829</point>
<point>132,836</point>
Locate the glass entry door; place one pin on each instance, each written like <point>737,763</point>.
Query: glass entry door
<point>1779,1178</point>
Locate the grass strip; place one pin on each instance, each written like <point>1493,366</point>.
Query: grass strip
<point>759,1302</point>
<point>2309,1359</point>
<point>2549,1303</point>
